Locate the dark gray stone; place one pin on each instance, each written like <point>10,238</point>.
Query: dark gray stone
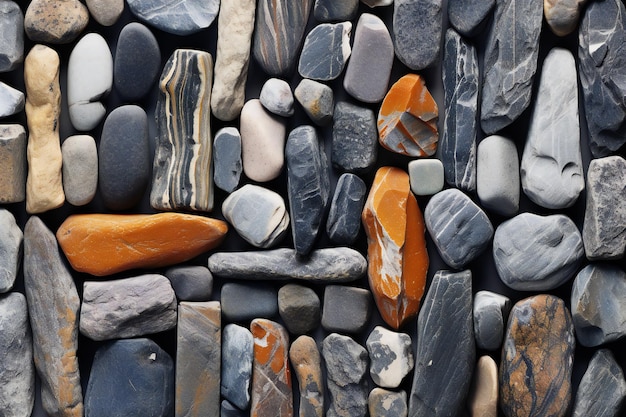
<point>446,353</point>
<point>391,357</point>
<point>174,16</point>
<point>384,403</point>
<point>417,27</point>
<point>491,312</point>
<point>276,97</point>
<point>229,410</point>
<point>468,16</point>
<point>317,100</point>
<point>346,309</point>
<point>10,250</point>
<point>299,307</point>
<point>344,217</point>
<point>325,52</point>
<point>11,99</point>
<point>11,36</point>
<point>355,138</point>
<point>191,283</point>
<point>333,10</point>
<point>237,355</point>
<point>244,302</point>
<point>130,378</point>
<point>227,164</point>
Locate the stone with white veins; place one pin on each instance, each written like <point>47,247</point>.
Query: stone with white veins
<point>11,100</point>
<point>237,354</point>
<point>355,138</point>
<point>562,15</point>
<point>11,35</point>
<point>80,169</point>
<point>498,175</point>
<point>491,312</point>
<point>385,403</point>
<point>325,52</point>
<point>11,240</point>
<point>317,100</point>
<point>468,16</point>
<point>174,16</point>
<point>391,356</point>
<point>333,10</point>
<point>417,27</point>
<point>344,219</point>
<point>227,165</point>
<point>276,97</point>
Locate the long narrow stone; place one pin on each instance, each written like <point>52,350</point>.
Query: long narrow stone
<point>237,356</point>
<point>227,165</point>
<point>11,240</point>
<point>53,306</point>
<point>417,27</point>
<point>12,163</point>
<point>305,358</point>
<point>344,220</point>
<point>80,169</point>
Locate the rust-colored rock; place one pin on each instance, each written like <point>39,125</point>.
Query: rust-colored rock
<point>398,260</point>
<point>104,244</point>
<point>305,358</point>
<point>407,121</point>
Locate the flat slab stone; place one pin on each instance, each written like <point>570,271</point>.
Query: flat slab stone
<point>325,52</point>
<point>426,176</point>
<point>483,396</point>
<point>382,402</point>
<point>12,163</point>
<point>331,10</point>
<point>191,283</point>
<point>11,100</point>
<point>10,250</point>
<point>417,27</point>
<point>344,219</point>
<point>80,169</point>
<point>237,355</point>
<point>306,361</point>
<point>491,312</point>
<point>468,16</point>
<point>498,175</point>
<point>276,97</point>
<point>391,357</point>
<point>563,15</point>
<point>346,309</point>
<point>355,138</point>
<point>56,22</point>
<point>11,36</point>
<point>227,164</point>
<point>173,16</point>
<point>236,305</point>
<point>317,100</point>
<point>299,307</point>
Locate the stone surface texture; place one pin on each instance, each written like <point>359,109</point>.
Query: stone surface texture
<point>276,97</point>
<point>227,165</point>
<point>176,17</point>
<point>483,396</point>
<point>325,52</point>
<point>317,100</point>
<point>384,403</point>
<point>237,356</point>
<point>11,240</point>
<point>355,138</point>
<point>299,307</point>
<point>498,175</point>
<point>57,22</point>
<point>563,15</point>
<point>417,29</point>
<point>391,356</point>
<point>13,163</point>
<point>331,10</point>
<point>191,283</point>
<point>344,220</point>
<point>242,302</point>
<point>11,99</point>
<point>12,37</point>
<point>80,169</point>
<point>491,312</point>
<point>306,361</point>
<point>105,12</point>
<point>346,309</point>
<point>468,16</point>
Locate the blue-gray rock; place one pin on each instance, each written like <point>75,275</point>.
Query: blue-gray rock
<point>391,357</point>
<point>237,355</point>
<point>229,410</point>
<point>80,169</point>
<point>602,388</point>
<point>10,250</point>
<point>537,253</point>
<point>355,138</point>
<point>237,306</point>
<point>130,378</point>
<point>11,99</point>
<point>276,97</point>
<point>137,62</point>
<point>308,185</point>
<point>124,157</point>
<point>446,351</point>
<point>11,36</point>
<point>333,10</point>
<point>325,52</point>
<point>498,175</point>
<point>299,307</point>
<point>346,309</point>
<point>604,227</point>
<point>191,283</point>
<point>460,124</point>
<point>13,167</point>
<point>601,60</point>
<point>344,217</point>
<point>417,27</point>
<point>385,403</point>
<point>468,16</point>
<point>491,312</point>
<point>176,17</point>
<point>227,165</point>
<point>17,370</point>
<point>460,229</point>
<point>510,62</point>
<point>317,100</point>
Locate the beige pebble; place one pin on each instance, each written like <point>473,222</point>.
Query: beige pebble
<point>12,163</point>
<point>105,12</point>
<point>55,21</point>
<point>483,397</point>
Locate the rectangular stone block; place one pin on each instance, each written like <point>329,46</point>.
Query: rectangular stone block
<point>12,163</point>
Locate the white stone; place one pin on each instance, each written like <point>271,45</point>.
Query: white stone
<point>497,175</point>
<point>377,3</point>
<point>426,176</point>
<point>11,100</point>
<point>276,96</point>
<point>80,169</point>
<point>391,356</point>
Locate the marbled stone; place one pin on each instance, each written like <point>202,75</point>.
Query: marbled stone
<point>384,403</point>
<point>346,365</point>
<point>198,359</point>
<point>344,220</point>
<point>17,371</point>
<point>278,32</point>
<point>332,10</point>
<point>483,396</point>
<point>124,158</point>
<point>491,312</point>
<point>407,120</point>
<point>276,97</point>
<point>191,283</point>
<point>12,163</point>
<point>604,227</point>
<point>124,242</point>
<point>105,12</point>
<point>562,15</point>
<point>227,165</point>
<point>176,17</point>
<point>11,99</point>
<point>127,307</point>
<point>602,388</point>
<point>229,410</point>
<point>468,17</point>
<point>459,228</point>
<point>368,72</point>
<point>305,359</point>
<point>237,305</point>
<point>234,38</point>
<point>417,27</point>
<point>11,240</point>
<point>498,175</point>
<point>262,142</point>
<point>237,355</point>
<point>396,246</point>
<point>537,357</point>
<point>426,176</point>
<point>510,62</point>
<point>137,62</point>
<point>445,355</point>
<point>58,22</point>
<point>391,357</point>
<point>537,253</point>
<point>80,169</point>
<point>317,100</point>
<point>346,309</point>
<point>11,36</point>
<point>325,52</point>
<point>130,378</point>
<point>53,306</point>
<point>460,123</point>
<point>271,375</point>
<point>182,172</point>
<point>299,307</point>
<point>44,185</point>
<point>355,138</point>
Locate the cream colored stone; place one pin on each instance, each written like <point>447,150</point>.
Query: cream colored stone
<point>483,397</point>
<point>105,12</point>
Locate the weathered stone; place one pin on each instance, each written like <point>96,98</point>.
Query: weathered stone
<point>445,355</point>
<point>417,27</point>
<point>237,355</point>
<point>331,10</point>
<point>237,302</point>
<point>325,52</point>
<point>58,22</point>
<point>11,99</point>
<point>80,169</point>
<point>510,62</point>
<point>124,242</point>
<point>12,163</point>
<point>355,138</point>
<point>391,357</point>
<point>346,309</point>
<point>227,165</point>
<point>397,256</point>
<point>317,100</point>
<point>562,15</point>
<point>53,306</point>
<point>426,176</point>
<point>305,359</point>
<point>537,253</point>
<point>468,16</point>
<point>10,250</point>
<point>604,227</point>
<point>344,220</point>
<point>384,403</point>
<point>191,283</point>
<point>176,17</point>
<point>198,359</point>
<point>299,307</point>
<point>537,357</point>
<point>498,175</point>
<point>407,121</point>
<point>229,410</point>
<point>105,12</point>
<point>276,97</point>
<point>127,307</point>
<point>491,312</point>
<point>483,397</point>
<point>11,36</point>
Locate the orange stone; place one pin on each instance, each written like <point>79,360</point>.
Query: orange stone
<point>104,244</point>
<point>397,256</point>
<point>407,121</point>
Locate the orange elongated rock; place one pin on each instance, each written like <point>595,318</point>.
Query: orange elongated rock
<point>398,261</point>
<point>407,121</point>
<point>104,244</point>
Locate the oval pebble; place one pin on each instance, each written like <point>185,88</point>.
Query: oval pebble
<point>80,169</point>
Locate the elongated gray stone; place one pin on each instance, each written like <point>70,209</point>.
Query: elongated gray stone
<point>308,184</point>
<point>227,165</point>
<point>510,62</point>
<point>417,27</point>
<point>306,361</point>
<point>80,169</point>
<point>446,351</point>
<point>53,306</point>
<point>332,10</point>
<point>236,305</point>
<point>176,17</point>
<point>127,307</point>
<point>325,52</point>
<point>182,173</point>
<point>322,265</point>
<point>468,16</point>
<point>385,403</point>
<point>11,36</point>
<point>355,138</point>
<point>391,357</point>
<point>12,163</point>
<point>11,99</point>
<point>10,250</point>
<point>491,312</point>
<point>498,176</point>
<point>460,86</point>
<point>17,370</point>
<point>299,307</point>
<point>276,97</point>
<point>344,218</point>
<point>237,354</point>
<point>346,309</point>
<point>317,100</point>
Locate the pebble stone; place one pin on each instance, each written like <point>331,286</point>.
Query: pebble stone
<point>11,36</point>
<point>331,10</point>
<point>57,22</point>
<point>325,52</point>
<point>11,99</point>
<point>237,354</point>
<point>426,176</point>
<point>563,15</point>
<point>11,241</point>
<point>105,12</point>
<point>346,309</point>
<point>306,361</point>
<point>391,356</point>
<point>344,216</point>
<point>498,175</point>
<point>385,403</point>
<point>468,17</point>
<point>227,165</point>
<point>276,97</point>
<point>236,305</point>
<point>176,17</point>
<point>417,29</point>
<point>491,312</point>
<point>80,169</point>
<point>483,396</point>
<point>299,307</point>
<point>12,163</point>
<point>191,282</point>
<point>355,138</point>
<point>317,100</point>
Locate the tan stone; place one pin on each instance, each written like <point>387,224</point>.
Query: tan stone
<point>563,15</point>
<point>105,12</point>
<point>483,397</point>
<point>55,21</point>
<point>305,359</point>
<point>12,163</point>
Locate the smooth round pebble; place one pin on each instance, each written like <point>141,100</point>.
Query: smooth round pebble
<point>80,169</point>
<point>426,176</point>
<point>299,307</point>
<point>191,283</point>
<point>105,12</point>
<point>57,22</point>
<point>276,97</point>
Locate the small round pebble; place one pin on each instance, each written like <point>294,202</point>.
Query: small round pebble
<point>191,283</point>
<point>426,176</point>
<point>276,96</point>
<point>299,307</point>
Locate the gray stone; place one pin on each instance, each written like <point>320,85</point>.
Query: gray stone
<point>510,62</point>
<point>604,227</point>
<point>127,307</point>
<point>346,309</point>
<point>10,250</point>
<point>17,370</point>
<point>237,305</point>
<point>57,22</point>
<point>384,403</point>
<point>391,357</point>
<point>305,359</point>
<point>237,354</point>
<point>417,27</point>
<point>276,97</point>
<point>227,165</point>
<point>325,52</point>
<point>80,169</point>
<point>11,99</point>
<point>377,3</point>
<point>498,175</point>
<point>537,253</point>
<point>191,283</point>
<point>12,163</point>
<point>105,12</point>
<point>562,15</point>
<point>355,138</point>
<point>460,229</point>
<point>299,307</point>
<point>446,353</point>
<point>229,410</point>
<point>346,365</point>
<point>317,100</point>
<point>460,124</point>
<point>491,312</point>
<point>11,36</point>
<point>332,10</point>
<point>468,16</point>
<point>426,176</point>
<point>176,17</point>
<point>344,217</point>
